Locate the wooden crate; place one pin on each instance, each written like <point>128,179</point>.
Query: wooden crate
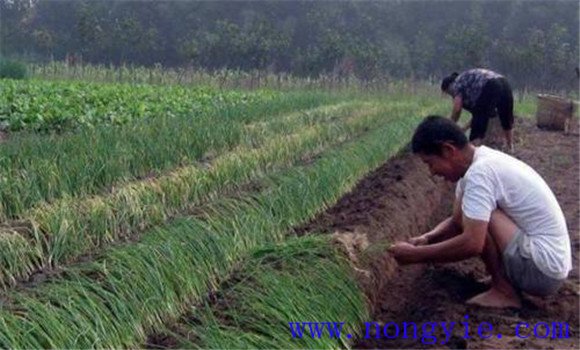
<point>554,112</point>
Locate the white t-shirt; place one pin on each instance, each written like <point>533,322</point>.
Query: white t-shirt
<point>497,180</point>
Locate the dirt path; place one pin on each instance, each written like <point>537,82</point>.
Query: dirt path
<point>400,200</point>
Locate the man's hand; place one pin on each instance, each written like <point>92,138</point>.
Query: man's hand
<point>419,240</point>
<point>403,252</point>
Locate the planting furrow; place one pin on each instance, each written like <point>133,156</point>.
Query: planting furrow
<point>133,289</point>
<point>274,301</point>
<point>64,230</point>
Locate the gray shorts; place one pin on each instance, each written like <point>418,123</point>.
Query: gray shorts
<point>523,272</point>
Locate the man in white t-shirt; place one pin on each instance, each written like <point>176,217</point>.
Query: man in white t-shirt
<point>503,211</point>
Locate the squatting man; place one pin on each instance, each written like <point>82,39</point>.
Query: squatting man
<point>503,211</point>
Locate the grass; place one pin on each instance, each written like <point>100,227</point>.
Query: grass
<point>68,228</point>
<point>131,290</point>
<point>35,168</point>
<point>301,280</point>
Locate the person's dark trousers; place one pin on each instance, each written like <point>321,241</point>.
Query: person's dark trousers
<point>496,99</point>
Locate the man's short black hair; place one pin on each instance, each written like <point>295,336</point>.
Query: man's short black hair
<point>433,132</point>
<point>448,80</point>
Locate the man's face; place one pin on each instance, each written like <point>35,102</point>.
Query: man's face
<point>443,166</point>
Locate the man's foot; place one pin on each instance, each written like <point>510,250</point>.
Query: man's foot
<point>496,298</point>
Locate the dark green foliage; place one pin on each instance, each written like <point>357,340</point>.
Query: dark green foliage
<point>12,69</point>
<point>533,43</point>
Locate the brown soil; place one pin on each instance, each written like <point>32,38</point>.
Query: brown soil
<point>400,200</point>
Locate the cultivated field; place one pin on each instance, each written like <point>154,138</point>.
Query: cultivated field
<point>137,215</point>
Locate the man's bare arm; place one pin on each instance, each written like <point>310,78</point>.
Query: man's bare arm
<point>465,245</point>
<point>468,125</point>
<point>457,107</point>
<point>446,229</point>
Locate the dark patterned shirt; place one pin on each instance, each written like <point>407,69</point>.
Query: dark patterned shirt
<point>470,83</point>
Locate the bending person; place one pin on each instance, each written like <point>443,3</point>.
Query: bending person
<point>485,94</point>
<point>504,212</point>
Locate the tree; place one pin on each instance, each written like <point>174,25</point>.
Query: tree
<point>530,42</point>
<point>465,47</point>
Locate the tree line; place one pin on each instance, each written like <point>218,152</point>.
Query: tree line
<point>534,43</point>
